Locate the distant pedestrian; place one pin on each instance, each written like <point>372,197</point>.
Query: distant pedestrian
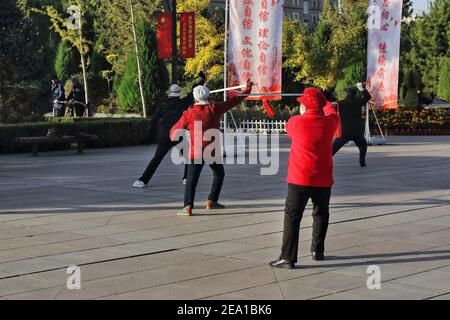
<point>58,97</point>
<point>350,115</point>
<point>310,174</point>
<point>76,99</point>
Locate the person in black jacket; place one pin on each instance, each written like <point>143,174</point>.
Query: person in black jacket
<point>350,114</point>
<point>76,99</point>
<point>170,112</point>
<point>58,97</point>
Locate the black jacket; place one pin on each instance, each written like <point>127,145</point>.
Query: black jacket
<point>350,114</point>
<point>170,112</point>
<point>77,93</point>
<point>57,94</point>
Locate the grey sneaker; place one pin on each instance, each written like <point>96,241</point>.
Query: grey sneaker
<point>185,212</point>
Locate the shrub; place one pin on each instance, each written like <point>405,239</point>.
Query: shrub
<point>111,133</point>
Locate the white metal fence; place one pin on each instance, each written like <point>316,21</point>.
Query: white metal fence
<point>259,126</point>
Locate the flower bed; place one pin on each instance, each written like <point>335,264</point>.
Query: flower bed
<point>407,122</point>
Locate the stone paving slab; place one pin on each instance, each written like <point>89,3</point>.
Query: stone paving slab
<point>130,245</point>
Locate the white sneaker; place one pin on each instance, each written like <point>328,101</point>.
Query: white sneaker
<point>139,184</point>
<point>184,182</point>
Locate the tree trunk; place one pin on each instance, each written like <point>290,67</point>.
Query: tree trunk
<point>83,66</point>
<point>141,88</point>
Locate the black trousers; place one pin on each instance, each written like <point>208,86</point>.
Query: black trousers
<point>296,200</point>
<point>162,149</point>
<point>193,175</point>
<point>360,142</point>
<point>59,112</point>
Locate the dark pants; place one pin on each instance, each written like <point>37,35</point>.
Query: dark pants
<point>194,171</point>
<point>163,147</point>
<point>58,111</point>
<point>296,200</point>
<point>360,142</point>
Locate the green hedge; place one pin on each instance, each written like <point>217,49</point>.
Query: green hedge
<point>111,133</point>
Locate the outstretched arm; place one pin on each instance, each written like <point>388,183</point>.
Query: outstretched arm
<point>223,107</point>
<point>366,97</point>
<point>330,111</point>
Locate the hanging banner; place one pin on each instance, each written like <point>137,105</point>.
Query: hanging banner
<point>187,35</point>
<point>383,51</point>
<point>255,45</point>
<point>164,35</point>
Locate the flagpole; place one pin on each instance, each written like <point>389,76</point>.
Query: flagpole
<point>225,77</point>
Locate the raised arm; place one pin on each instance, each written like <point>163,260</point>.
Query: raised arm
<point>330,111</point>
<point>222,107</point>
<point>366,97</point>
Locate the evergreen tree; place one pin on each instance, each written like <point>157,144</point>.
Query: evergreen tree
<point>65,62</point>
<point>352,75</point>
<point>411,99</point>
<point>154,73</point>
<point>430,42</point>
<point>21,63</point>
<point>444,81</point>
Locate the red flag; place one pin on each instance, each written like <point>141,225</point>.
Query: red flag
<point>269,109</point>
<point>164,35</point>
<point>187,35</point>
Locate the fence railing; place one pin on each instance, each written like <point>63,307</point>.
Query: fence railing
<point>258,126</point>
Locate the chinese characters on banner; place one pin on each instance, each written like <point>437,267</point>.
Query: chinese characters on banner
<point>164,35</point>
<point>383,51</point>
<point>255,45</point>
<point>187,35</point>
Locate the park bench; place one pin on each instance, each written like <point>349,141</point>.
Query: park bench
<point>80,139</point>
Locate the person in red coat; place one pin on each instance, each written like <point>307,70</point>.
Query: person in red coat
<point>207,115</point>
<point>310,174</point>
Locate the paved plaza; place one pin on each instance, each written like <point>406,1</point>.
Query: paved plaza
<point>63,209</point>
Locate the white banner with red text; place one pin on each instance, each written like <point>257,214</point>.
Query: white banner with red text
<point>384,26</point>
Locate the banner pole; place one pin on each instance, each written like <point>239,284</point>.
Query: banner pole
<point>225,77</point>
<point>367,127</point>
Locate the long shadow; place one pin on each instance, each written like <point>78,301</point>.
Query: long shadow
<point>378,259</point>
<point>416,178</point>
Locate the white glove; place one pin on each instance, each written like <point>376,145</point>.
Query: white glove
<point>360,86</point>
<point>55,101</point>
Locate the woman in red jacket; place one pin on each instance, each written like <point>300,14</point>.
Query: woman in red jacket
<point>310,174</point>
<point>208,116</point>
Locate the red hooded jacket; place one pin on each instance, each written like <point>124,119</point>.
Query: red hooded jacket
<point>310,161</point>
<point>209,117</point>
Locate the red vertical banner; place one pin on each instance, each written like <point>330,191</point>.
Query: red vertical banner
<point>164,35</point>
<point>187,35</point>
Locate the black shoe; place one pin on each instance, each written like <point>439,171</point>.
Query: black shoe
<point>362,164</point>
<point>316,256</point>
<point>282,263</point>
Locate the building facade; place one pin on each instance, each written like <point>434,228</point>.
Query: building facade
<point>307,11</point>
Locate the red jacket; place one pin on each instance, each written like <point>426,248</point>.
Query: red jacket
<point>310,160</point>
<point>209,117</point>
